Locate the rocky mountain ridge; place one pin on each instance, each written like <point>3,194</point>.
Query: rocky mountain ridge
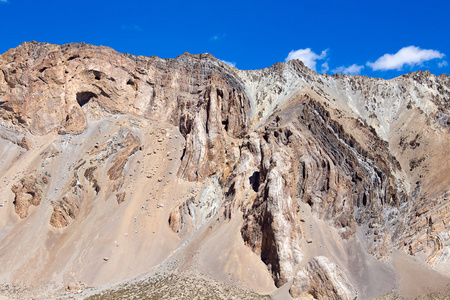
<point>307,176</point>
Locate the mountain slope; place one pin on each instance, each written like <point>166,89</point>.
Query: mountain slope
<point>115,165</point>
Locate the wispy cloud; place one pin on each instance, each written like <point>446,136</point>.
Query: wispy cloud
<point>131,27</point>
<point>231,64</point>
<point>411,56</point>
<point>4,1</point>
<point>217,37</point>
<point>442,64</point>
<point>308,57</point>
<point>325,67</point>
<point>350,70</point>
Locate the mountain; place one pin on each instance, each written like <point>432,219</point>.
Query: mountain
<point>126,174</point>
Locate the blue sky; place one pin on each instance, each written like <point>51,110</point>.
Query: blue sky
<point>374,38</point>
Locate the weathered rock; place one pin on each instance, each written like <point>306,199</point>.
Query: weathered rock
<point>130,145</point>
<point>271,227</point>
<point>120,197</point>
<point>64,211</point>
<point>28,191</point>
<point>76,286</point>
<point>25,143</point>
<point>195,212</point>
<point>322,279</point>
<point>89,175</point>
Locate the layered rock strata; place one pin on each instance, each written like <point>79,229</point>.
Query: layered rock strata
<point>367,156</point>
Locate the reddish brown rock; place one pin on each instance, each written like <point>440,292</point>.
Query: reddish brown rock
<point>120,197</point>
<point>130,145</point>
<point>25,143</point>
<point>64,212</point>
<point>28,191</point>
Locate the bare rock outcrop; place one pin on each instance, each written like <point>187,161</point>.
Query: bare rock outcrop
<point>64,211</point>
<point>271,227</point>
<point>322,279</point>
<point>130,145</point>
<point>28,191</point>
<point>193,213</point>
<point>76,286</point>
<point>114,154</point>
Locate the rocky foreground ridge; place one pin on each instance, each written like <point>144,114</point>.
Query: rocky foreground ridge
<point>115,165</point>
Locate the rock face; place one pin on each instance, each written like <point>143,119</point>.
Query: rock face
<point>322,279</point>
<point>27,192</point>
<point>182,148</point>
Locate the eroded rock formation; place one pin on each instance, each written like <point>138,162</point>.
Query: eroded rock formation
<point>28,191</point>
<point>322,279</point>
<point>194,144</point>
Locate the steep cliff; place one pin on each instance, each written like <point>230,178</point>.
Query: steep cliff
<point>116,165</point>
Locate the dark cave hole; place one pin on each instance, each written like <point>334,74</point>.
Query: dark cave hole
<point>364,199</point>
<point>287,133</point>
<point>308,200</point>
<point>254,181</point>
<point>72,57</point>
<point>98,75</point>
<point>84,97</point>
<point>219,93</point>
<point>132,84</point>
<point>225,123</point>
<point>96,187</point>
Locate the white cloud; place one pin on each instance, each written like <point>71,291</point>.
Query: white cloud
<point>325,67</point>
<point>350,70</point>
<point>231,64</point>
<point>442,64</point>
<point>307,56</point>
<point>406,56</point>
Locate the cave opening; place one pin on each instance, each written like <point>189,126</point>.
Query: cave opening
<point>364,199</point>
<point>84,97</point>
<point>225,124</point>
<point>254,181</point>
<point>97,75</point>
<point>73,57</point>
